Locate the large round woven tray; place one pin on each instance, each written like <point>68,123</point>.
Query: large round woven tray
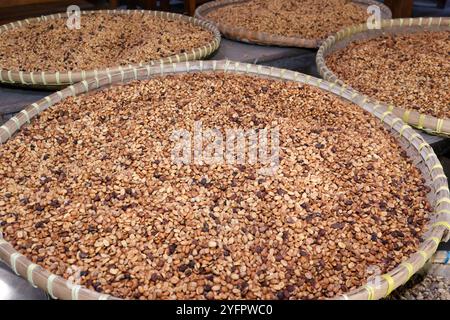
<point>262,38</point>
<point>52,80</point>
<point>338,41</point>
<point>423,155</point>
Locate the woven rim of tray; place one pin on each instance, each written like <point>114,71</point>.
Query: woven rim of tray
<point>419,120</point>
<point>418,148</point>
<point>59,79</point>
<point>263,38</point>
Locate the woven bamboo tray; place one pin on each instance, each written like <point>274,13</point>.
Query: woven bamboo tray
<point>423,155</point>
<point>338,41</point>
<point>55,80</point>
<point>262,38</point>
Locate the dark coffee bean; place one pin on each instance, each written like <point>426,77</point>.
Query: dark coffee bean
<point>126,276</point>
<point>55,203</point>
<point>183,267</point>
<point>260,194</point>
<point>290,288</point>
<point>204,182</point>
<point>39,224</point>
<point>319,146</point>
<point>63,233</point>
<point>303,253</point>
<point>280,295</point>
<point>172,248</point>
<point>397,234</point>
